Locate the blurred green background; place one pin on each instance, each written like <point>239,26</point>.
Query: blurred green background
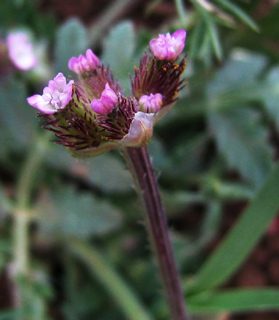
<point>72,241</point>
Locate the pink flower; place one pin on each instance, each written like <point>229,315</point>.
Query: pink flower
<point>55,96</point>
<point>106,103</point>
<point>168,47</point>
<point>151,103</point>
<point>83,63</point>
<point>21,51</point>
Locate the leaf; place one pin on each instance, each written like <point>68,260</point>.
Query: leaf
<point>120,291</point>
<point>181,12</point>
<point>8,315</point>
<point>239,13</point>
<point>119,52</point>
<point>228,191</point>
<point>109,173</point>
<point>211,28</point>
<point>187,157</point>
<point>5,202</point>
<point>17,120</point>
<point>215,40</point>
<point>241,69</point>
<point>235,300</point>
<point>105,171</point>
<point>241,240</point>
<point>71,40</point>
<point>196,38</point>
<point>243,142</point>
<point>76,214</point>
<point>270,94</point>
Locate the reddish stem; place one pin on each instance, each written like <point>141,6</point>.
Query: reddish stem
<point>142,171</point>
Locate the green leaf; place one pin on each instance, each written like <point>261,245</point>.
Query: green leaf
<point>270,94</point>
<point>106,171</point>
<point>71,40</point>
<point>243,142</point>
<point>196,38</point>
<point>242,238</point>
<point>18,119</point>
<point>109,173</point>
<point>76,214</point>
<point>5,202</point>
<point>8,315</point>
<point>211,28</point>
<point>239,13</point>
<point>35,294</point>
<point>227,191</point>
<point>235,300</point>
<point>120,291</point>
<point>181,12</point>
<point>241,70</point>
<point>119,52</point>
<point>215,40</point>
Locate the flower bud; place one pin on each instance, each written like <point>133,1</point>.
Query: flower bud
<point>106,103</point>
<point>83,63</point>
<point>168,47</point>
<point>151,103</point>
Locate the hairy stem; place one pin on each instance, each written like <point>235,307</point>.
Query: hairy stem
<point>139,163</point>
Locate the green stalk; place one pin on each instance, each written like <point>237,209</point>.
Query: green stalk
<point>22,214</point>
<point>114,284</point>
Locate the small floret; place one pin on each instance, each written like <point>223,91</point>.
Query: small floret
<point>106,103</point>
<point>55,96</point>
<point>82,64</point>
<point>151,103</point>
<point>168,47</point>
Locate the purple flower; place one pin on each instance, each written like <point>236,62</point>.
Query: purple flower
<point>21,51</point>
<point>168,47</point>
<point>55,96</point>
<point>106,103</point>
<point>151,103</point>
<point>84,63</point>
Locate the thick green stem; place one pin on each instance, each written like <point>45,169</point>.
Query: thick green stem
<point>139,163</point>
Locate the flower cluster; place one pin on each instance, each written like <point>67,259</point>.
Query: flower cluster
<point>90,115</point>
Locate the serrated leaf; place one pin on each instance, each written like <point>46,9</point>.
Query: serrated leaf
<point>71,40</point>
<point>78,214</point>
<point>119,52</point>
<point>243,142</point>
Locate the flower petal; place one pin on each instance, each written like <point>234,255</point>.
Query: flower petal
<point>141,130</point>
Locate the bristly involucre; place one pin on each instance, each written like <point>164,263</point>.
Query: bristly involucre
<point>155,76</point>
<point>90,115</point>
